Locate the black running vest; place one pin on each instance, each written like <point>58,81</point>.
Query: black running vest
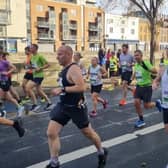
<point>69,98</point>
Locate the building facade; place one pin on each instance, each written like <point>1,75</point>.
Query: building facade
<point>54,23</point>
<point>13,34</point>
<point>163,31</point>
<point>121,29</point>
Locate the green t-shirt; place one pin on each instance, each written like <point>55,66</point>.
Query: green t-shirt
<point>38,61</point>
<point>143,77</point>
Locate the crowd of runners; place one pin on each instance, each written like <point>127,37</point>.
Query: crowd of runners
<point>72,85</point>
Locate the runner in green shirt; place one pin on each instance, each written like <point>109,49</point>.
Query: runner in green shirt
<point>143,92</point>
<point>38,63</point>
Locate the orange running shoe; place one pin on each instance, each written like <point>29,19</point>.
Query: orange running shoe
<point>122,102</point>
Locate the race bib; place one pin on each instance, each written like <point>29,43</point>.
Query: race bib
<point>138,75</point>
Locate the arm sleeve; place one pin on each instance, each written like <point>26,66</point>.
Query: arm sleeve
<point>149,65</point>
<point>43,60</point>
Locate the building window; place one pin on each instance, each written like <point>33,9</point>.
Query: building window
<point>122,30</point>
<point>111,29</point>
<point>39,8</point>
<point>109,21</point>
<point>73,12</point>
<point>132,31</point>
<point>123,22</point>
<point>133,23</point>
<point>91,14</point>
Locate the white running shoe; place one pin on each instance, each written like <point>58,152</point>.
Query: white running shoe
<point>20,111</point>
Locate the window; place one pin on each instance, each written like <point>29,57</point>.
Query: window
<point>109,21</point>
<point>111,30</point>
<point>132,31</point>
<point>39,8</point>
<point>123,22</point>
<point>122,30</point>
<point>133,23</point>
<point>91,14</point>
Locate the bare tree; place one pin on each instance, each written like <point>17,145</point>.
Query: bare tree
<point>150,9</point>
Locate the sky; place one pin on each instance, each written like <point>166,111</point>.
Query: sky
<point>120,10</point>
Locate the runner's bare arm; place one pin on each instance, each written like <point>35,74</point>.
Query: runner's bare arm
<point>75,77</point>
<point>103,71</point>
<point>133,76</point>
<point>12,68</point>
<point>153,70</point>
<point>156,81</point>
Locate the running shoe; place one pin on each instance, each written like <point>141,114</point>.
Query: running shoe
<point>105,104</point>
<point>3,113</point>
<point>20,111</point>
<point>42,100</point>
<point>102,159</point>
<point>18,127</point>
<point>34,107</point>
<point>139,124</point>
<point>122,102</point>
<point>93,114</point>
<point>26,100</point>
<point>48,107</point>
<point>50,166</point>
<point>159,105</point>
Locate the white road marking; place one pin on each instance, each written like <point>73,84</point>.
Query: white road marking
<point>108,144</point>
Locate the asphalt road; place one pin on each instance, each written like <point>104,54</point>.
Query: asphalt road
<point>128,147</point>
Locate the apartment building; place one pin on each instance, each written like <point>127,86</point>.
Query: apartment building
<point>13,35</point>
<point>121,29</point>
<point>163,38</point>
<point>54,23</point>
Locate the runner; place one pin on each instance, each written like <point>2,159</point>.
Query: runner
<point>162,104</point>
<point>76,58</point>
<point>108,56</point>
<point>96,72</point>
<point>29,72</point>
<point>7,68</point>
<point>12,89</point>
<point>38,63</point>
<point>113,69</point>
<point>143,92</point>
<point>16,124</point>
<point>71,106</point>
<point>126,64</point>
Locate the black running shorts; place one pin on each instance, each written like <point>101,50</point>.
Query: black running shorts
<point>63,113</point>
<point>143,93</point>
<point>28,76</point>
<point>5,85</point>
<point>165,116</point>
<point>126,76</point>
<point>38,81</point>
<point>96,89</point>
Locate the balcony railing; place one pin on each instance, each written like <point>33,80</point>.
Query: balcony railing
<point>93,28</point>
<point>94,38</point>
<point>43,24</point>
<point>4,17</point>
<point>73,26</point>
<point>43,36</point>
<point>72,37</point>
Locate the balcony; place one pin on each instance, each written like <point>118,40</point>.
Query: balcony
<point>72,37</point>
<point>93,28</point>
<point>44,36</point>
<point>5,17</point>
<point>73,26</point>
<point>42,24</point>
<point>94,38</point>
